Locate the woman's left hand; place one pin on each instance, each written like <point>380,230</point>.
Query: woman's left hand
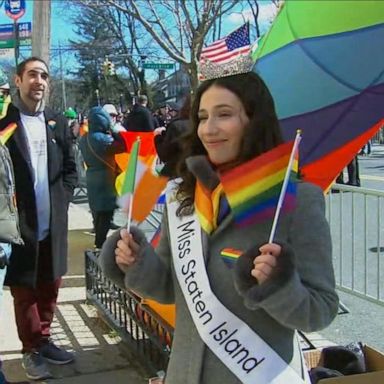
<point>265,262</point>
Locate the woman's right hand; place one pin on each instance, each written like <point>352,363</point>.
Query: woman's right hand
<point>127,250</point>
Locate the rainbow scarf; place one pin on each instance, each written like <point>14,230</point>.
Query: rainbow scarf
<point>207,205</point>
<point>253,188</point>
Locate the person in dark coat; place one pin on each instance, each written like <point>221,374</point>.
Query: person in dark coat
<point>168,142</point>
<point>353,174</point>
<point>161,116</point>
<point>98,148</point>
<point>140,119</point>
<point>45,177</point>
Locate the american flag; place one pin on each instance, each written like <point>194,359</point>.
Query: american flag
<point>228,47</point>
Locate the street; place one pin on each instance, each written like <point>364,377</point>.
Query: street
<point>356,238</point>
<point>372,168</point>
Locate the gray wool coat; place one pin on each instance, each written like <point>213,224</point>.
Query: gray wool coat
<point>299,295</point>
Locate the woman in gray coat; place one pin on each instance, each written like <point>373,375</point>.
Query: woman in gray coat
<point>235,322</point>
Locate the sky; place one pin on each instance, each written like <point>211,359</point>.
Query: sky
<point>62,28</point>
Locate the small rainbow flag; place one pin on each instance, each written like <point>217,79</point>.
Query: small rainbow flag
<point>6,133</point>
<point>230,255</point>
<point>253,188</point>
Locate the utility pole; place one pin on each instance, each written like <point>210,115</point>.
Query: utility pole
<point>62,81</point>
<point>41,31</point>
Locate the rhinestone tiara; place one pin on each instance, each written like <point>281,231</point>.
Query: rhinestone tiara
<point>209,70</point>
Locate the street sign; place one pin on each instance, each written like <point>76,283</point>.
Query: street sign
<point>7,38</point>
<point>25,33</point>
<point>7,53</point>
<point>158,65</point>
<point>14,8</point>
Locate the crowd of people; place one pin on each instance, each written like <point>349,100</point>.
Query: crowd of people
<point>273,289</point>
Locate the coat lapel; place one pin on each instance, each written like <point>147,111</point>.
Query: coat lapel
<point>21,142</point>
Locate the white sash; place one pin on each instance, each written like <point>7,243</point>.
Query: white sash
<point>229,338</point>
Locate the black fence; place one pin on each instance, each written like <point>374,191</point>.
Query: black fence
<point>147,335</point>
<point>80,195</point>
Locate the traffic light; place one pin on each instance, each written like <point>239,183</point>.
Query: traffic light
<point>111,69</point>
<point>108,68</point>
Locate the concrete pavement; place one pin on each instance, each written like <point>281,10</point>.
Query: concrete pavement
<point>100,355</point>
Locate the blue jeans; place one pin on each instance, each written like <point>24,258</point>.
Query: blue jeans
<point>7,249</point>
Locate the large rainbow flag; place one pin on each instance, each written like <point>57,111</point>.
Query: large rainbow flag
<point>323,62</point>
<point>253,188</point>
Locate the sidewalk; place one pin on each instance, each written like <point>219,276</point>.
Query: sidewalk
<point>100,355</point>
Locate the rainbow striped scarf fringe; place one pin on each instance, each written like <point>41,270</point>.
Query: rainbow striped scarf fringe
<point>253,188</point>
<point>7,132</point>
<point>207,206</point>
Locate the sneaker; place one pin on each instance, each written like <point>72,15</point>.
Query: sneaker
<point>34,366</point>
<point>55,355</point>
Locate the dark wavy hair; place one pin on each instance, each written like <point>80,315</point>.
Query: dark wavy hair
<point>262,133</point>
<point>21,66</point>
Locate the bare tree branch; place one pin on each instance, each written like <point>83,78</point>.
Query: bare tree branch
<point>138,16</point>
<point>163,29</point>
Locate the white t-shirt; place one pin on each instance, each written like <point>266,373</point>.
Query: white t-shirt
<point>37,142</point>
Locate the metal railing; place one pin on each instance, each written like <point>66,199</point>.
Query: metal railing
<point>80,194</point>
<point>355,218</point>
<point>147,335</point>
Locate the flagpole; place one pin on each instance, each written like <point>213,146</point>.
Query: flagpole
<point>285,184</point>
<point>130,213</point>
<point>130,208</point>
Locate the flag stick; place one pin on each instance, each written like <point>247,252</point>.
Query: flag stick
<point>132,184</point>
<point>130,213</point>
<point>285,184</point>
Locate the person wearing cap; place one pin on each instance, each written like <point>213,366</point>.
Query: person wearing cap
<point>112,112</point>
<point>73,123</point>
<point>173,109</point>
<point>161,116</point>
<point>140,119</point>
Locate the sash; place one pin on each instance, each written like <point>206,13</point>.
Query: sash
<point>245,354</point>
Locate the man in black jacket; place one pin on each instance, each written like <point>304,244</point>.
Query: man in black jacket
<point>140,119</point>
<point>45,176</point>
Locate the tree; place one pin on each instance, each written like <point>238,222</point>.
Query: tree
<point>178,27</point>
<point>96,42</point>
